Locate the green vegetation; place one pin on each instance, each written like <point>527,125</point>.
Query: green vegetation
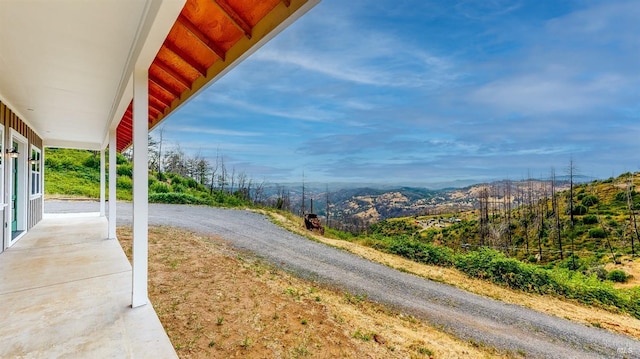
<point>532,248</point>
<point>76,173</point>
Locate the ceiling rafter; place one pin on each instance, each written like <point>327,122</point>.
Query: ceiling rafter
<point>158,81</point>
<point>234,17</point>
<point>155,98</point>
<point>186,57</point>
<point>171,72</point>
<point>155,107</point>
<point>206,41</point>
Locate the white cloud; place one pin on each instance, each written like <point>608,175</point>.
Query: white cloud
<point>309,113</point>
<point>212,131</point>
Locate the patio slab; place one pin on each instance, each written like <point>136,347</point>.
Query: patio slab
<point>65,292</point>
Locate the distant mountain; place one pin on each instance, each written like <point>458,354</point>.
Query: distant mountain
<point>372,204</point>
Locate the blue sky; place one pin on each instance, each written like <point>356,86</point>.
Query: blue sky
<point>428,91</point>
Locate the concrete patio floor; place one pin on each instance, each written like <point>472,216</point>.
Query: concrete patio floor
<point>65,292</point>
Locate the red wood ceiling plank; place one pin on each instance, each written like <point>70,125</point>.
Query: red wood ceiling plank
<point>234,17</point>
<point>188,59</point>
<point>171,72</point>
<point>163,85</point>
<point>193,29</point>
<point>160,103</point>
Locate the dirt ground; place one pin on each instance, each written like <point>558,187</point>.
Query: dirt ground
<point>572,310</point>
<point>217,302</point>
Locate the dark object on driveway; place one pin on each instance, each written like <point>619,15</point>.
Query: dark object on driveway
<point>312,223</point>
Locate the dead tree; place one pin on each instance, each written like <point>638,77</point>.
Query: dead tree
<point>556,211</point>
<point>632,215</point>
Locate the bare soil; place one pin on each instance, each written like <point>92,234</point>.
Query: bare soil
<point>215,301</point>
<point>621,323</point>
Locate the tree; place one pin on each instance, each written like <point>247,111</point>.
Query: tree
<point>632,215</point>
<point>327,207</point>
<point>160,140</point>
<point>507,210</point>
<point>556,211</point>
<point>483,201</point>
<point>175,161</point>
<point>214,169</point>
<point>222,177</point>
<point>542,212</point>
<point>571,170</point>
<point>303,199</point>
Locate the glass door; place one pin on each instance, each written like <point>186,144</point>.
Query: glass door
<point>14,193</point>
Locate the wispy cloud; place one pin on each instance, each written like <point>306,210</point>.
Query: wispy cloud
<point>310,113</point>
<point>212,131</point>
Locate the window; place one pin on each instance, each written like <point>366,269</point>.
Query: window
<point>36,177</point>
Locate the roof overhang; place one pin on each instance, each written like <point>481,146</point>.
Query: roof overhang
<point>66,66</point>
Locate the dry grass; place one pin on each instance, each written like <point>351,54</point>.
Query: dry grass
<point>619,323</point>
<point>217,302</point>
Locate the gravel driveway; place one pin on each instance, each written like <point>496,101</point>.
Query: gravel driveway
<point>467,315</point>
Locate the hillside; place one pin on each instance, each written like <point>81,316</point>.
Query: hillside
<point>368,205</point>
<point>76,173</point>
<point>540,229</point>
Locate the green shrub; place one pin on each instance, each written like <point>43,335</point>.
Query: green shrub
<point>580,210</point>
<point>422,252</point>
<point>178,188</point>
<point>175,179</point>
<point>159,187</point>
<point>92,162</point>
<point>124,182</point>
<point>191,183</point>
<point>175,198</point>
<point>597,233</point>
<point>618,276</point>
<point>590,219</point>
<point>121,159</point>
<point>162,176</point>
<point>590,200</point>
<point>125,170</point>
<point>621,197</point>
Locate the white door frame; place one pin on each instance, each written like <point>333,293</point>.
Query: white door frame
<point>23,149</point>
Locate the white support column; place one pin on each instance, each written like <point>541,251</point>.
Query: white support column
<point>113,176</point>
<point>140,186</point>
<point>102,182</point>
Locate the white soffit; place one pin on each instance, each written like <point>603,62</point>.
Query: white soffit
<point>62,62</point>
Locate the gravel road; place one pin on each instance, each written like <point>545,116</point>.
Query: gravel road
<point>468,316</point>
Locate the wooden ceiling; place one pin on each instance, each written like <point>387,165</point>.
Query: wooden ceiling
<point>208,37</point>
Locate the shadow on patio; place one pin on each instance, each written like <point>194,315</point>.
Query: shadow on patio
<point>66,292</point>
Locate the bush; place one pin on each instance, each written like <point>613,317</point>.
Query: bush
<point>175,179</point>
<point>590,219</point>
<point>580,210</point>
<point>589,200</point>
<point>124,182</point>
<point>92,162</point>
<point>125,170</point>
<point>121,159</point>
<point>597,233</point>
<point>159,187</point>
<point>191,183</point>
<point>618,276</point>
<point>175,198</point>
<point>179,188</point>
<point>598,271</point>
<point>621,197</point>
<point>422,252</point>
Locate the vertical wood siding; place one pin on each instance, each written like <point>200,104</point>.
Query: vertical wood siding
<point>10,120</point>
